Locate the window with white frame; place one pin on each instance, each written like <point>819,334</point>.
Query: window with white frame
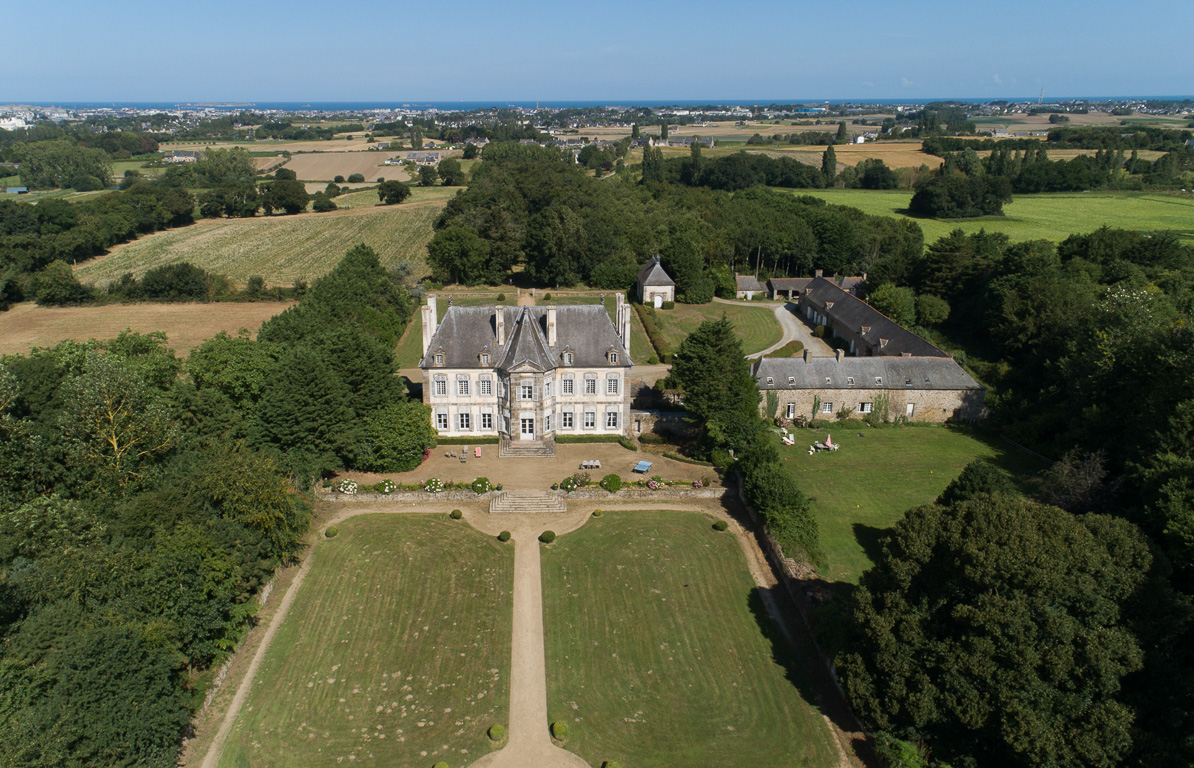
<point>591,384</point>
<point>464,420</point>
<point>487,421</point>
<point>547,389</point>
<point>486,386</point>
<point>611,420</point>
<point>484,359</point>
<point>613,358</point>
<point>439,359</point>
<point>441,386</point>
<point>826,407</point>
<point>611,386</point>
<point>547,423</point>
<point>462,387</point>
<point>866,407</point>
<point>526,391</point>
<point>441,421</point>
<point>567,358</point>
<point>566,420</point>
<point>791,410</point>
<point>567,385</point>
<point>590,419</point>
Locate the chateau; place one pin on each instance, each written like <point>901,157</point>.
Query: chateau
<point>526,374</point>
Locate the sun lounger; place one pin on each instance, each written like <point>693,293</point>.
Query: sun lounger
<point>478,451</point>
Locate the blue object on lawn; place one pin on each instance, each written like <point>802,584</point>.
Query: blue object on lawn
<point>642,466</point>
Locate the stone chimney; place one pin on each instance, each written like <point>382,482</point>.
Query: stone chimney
<point>817,273</point>
<point>429,322</point>
<point>551,326</point>
<point>622,321</point>
<point>808,354</point>
<point>841,353</point>
<point>499,323</point>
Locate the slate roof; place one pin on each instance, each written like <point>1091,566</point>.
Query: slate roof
<point>884,334</point>
<point>584,330</point>
<point>748,283</point>
<point>789,283</point>
<point>915,373</point>
<point>653,275</point>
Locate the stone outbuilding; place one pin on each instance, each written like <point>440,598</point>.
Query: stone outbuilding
<point>748,286</point>
<point>654,285</point>
<point>909,387</point>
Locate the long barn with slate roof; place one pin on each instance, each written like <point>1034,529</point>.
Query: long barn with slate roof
<point>886,370</point>
<point>526,374</point>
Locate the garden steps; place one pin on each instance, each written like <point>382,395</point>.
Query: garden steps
<point>526,449</point>
<point>504,502</point>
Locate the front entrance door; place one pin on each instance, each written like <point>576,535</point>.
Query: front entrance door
<point>527,431</point>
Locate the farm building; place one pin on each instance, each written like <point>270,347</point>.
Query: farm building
<point>792,287</point>
<point>867,330</point>
<point>916,388</point>
<point>749,285</point>
<point>17,190</point>
<point>654,285</point>
<point>181,156</point>
<point>527,374</point>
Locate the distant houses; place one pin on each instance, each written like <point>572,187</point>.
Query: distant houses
<point>181,156</point>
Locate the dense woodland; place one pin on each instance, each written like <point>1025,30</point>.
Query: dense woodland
<point>145,502</point>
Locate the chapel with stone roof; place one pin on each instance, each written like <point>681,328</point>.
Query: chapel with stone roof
<point>527,374</point>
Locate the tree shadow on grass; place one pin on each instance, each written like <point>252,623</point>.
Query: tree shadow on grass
<point>870,539</point>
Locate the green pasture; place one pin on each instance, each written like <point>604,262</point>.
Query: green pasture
<point>660,653</point>
<point>756,326</point>
<point>396,651</point>
<point>863,489</point>
<point>1053,216</point>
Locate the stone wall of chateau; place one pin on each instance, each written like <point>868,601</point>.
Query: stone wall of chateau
<point>926,404</point>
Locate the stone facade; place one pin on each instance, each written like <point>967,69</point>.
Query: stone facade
<point>654,285</point>
<point>912,388</point>
<point>527,373</point>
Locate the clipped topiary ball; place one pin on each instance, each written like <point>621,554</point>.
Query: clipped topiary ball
<point>440,764</point>
<point>332,532</point>
<point>720,525</point>
<point>456,514</point>
<point>559,730</point>
<point>611,764</point>
<point>547,537</point>
<point>501,297</point>
<point>496,733</point>
<point>504,536</point>
<point>597,513</point>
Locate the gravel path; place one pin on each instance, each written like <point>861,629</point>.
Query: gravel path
<point>530,739</point>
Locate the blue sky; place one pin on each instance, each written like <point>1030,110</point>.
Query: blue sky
<point>257,50</point>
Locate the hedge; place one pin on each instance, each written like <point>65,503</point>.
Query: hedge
<point>662,348</point>
<point>487,440</point>
<point>619,439</point>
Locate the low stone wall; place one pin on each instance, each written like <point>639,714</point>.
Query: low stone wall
<point>663,494</point>
<point>411,496</point>
<point>586,494</point>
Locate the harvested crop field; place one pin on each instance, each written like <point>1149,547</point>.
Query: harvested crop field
<point>325,166</point>
<point>281,249</point>
<point>26,326</point>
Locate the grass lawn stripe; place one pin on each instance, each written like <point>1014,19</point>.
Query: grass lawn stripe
<point>396,651</point>
<point>660,653</point>
<point>756,326</point>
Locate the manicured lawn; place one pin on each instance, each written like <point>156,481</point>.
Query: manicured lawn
<point>396,651</point>
<point>1031,217</point>
<point>863,489</point>
<point>756,326</point>
<point>659,653</point>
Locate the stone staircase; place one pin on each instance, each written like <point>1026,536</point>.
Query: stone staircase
<point>526,449</point>
<point>505,502</point>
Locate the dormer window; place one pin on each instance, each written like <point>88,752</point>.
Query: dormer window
<point>926,381</point>
<point>613,358</point>
<point>882,343</point>
<point>791,379</point>
<point>850,380</point>
<point>567,358</point>
<point>879,380</point>
<point>484,359</point>
<point>907,382</point>
<point>828,381</point>
<point>770,381</point>
<point>439,358</point>
<point>828,305</point>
